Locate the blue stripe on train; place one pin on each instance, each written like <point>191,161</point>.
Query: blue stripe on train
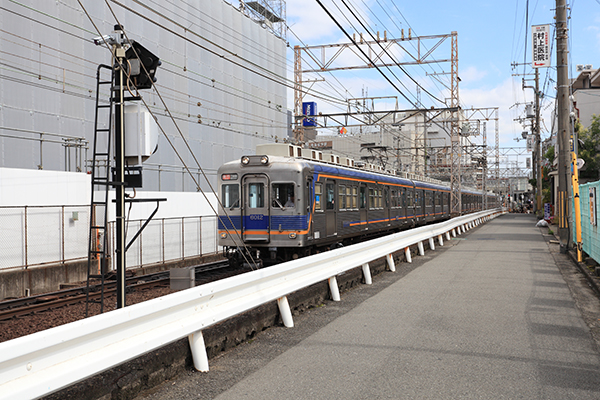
<point>289,222</point>
<point>259,221</point>
<point>225,223</point>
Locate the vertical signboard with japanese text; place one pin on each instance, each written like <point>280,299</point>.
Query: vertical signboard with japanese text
<point>540,45</point>
<point>309,108</point>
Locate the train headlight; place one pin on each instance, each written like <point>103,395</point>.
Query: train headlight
<point>264,160</point>
<point>223,235</point>
<point>292,235</point>
<point>245,160</point>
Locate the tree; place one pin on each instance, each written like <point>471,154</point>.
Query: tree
<point>589,148</point>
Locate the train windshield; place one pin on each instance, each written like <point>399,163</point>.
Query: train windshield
<point>230,195</point>
<point>283,195</point>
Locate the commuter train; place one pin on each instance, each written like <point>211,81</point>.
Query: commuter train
<point>287,202</point>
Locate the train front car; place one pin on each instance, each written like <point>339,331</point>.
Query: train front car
<point>263,213</point>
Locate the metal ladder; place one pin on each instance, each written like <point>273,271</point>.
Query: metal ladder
<point>98,250</point>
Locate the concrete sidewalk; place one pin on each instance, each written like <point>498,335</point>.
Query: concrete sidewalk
<point>488,316</point>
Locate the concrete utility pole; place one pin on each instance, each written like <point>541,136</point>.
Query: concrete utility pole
<point>538,143</point>
<point>562,98</point>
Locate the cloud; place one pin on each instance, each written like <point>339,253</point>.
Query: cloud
<point>471,74</point>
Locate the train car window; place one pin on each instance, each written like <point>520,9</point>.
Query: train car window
<point>348,197</point>
<point>355,197</point>
<point>342,197</point>
<point>283,195</point>
<point>330,196</point>
<point>403,198</point>
<point>417,198</point>
<point>409,198</point>
<point>363,197</point>
<point>256,195</point>
<point>379,201</point>
<point>230,196</point>
<point>394,199</point>
<point>371,199</point>
<point>318,193</point>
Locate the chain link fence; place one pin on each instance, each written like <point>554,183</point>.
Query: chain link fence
<point>38,235</point>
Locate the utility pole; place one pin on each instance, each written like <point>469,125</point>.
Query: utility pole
<point>119,181</point>
<point>535,131</point>
<point>538,144</point>
<point>562,98</point>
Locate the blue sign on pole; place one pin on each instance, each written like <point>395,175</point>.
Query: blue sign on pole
<point>309,108</point>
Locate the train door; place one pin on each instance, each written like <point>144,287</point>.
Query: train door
<point>255,209</point>
<point>386,203</point>
<point>419,211</point>
<point>330,208</point>
<point>362,202</point>
<point>309,205</point>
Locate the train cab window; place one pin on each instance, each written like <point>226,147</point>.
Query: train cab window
<point>342,197</point>
<point>354,197</point>
<point>283,195</point>
<point>330,196</point>
<point>256,195</point>
<point>318,194</point>
<point>230,196</point>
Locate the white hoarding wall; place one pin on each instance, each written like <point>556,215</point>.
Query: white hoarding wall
<point>44,218</point>
<point>221,78</point>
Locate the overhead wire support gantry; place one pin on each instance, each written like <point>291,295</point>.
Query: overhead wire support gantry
<point>372,59</point>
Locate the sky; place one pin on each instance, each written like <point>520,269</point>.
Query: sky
<point>492,36</point>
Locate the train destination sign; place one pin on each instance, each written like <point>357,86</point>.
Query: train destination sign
<point>540,45</point>
<point>321,145</point>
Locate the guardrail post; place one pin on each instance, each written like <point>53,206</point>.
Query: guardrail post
<point>334,289</point>
<point>453,232</point>
<point>367,274</point>
<point>431,244</point>
<point>286,313</point>
<point>407,254</point>
<point>440,240</point>
<point>390,262</point>
<point>421,249</point>
<point>448,235</point>
<point>199,354</point>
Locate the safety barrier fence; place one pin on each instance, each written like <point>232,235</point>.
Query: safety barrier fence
<point>32,236</point>
<point>37,235</point>
<point>47,361</point>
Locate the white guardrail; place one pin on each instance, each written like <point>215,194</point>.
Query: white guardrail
<point>46,361</point>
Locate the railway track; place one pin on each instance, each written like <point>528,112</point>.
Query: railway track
<point>17,308</point>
